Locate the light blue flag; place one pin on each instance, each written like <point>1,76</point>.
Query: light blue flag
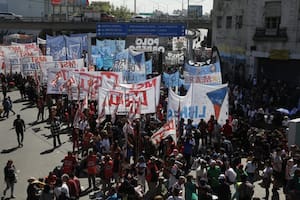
<point>148,65</point>
<point>171,80</point>
<point>56,47</point>
<point>84,40</point>
<point>74,48</point>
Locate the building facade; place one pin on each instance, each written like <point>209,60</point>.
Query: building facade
<point>258,38</point>
<point>43,8</point>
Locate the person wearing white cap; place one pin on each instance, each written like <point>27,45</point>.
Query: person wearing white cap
<point>223,190</point>
<point>213,173</point>
<point>64,187</point>
<point>174,173</point>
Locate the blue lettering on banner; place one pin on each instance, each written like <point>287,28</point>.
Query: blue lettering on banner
<point>188,112</point>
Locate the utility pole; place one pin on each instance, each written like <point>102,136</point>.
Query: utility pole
<point>134,6</point>
<point>188,4</point>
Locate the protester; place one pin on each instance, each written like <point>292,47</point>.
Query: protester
<point>245,189</point>
<point>267,178</point>
<point>190,188</point>
<point>174,156</point>
<point>47,193</point>
<point>55,131</point>
<point>223,190</point>
<point>19,126</point>
<point>40,105</point>
<point>10,179</point>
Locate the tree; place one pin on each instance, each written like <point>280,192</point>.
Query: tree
<point>122,13</point>
<point>100,6</point>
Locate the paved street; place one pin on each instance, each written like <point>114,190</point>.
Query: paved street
<point>36,158</point>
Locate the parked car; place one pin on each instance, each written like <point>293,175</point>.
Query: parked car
<point>107,17</point>
<point>139,18</point>
<point>10,16</point>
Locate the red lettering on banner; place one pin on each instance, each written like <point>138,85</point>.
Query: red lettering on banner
<point>15,48</point>
<point>115,98</point>
<point>169,126</point>
<point>30,45</point>
<point>39,59</point>
<point>69,63</point>
<point>81,83</point>
<point>26,53</point>
<point>110,75</point>
<point>146,84</point>
<point>135,96</point>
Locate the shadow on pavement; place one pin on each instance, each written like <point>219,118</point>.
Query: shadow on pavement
<point>47,151</point>
<point>28,105</point>
<point>36,129</point>
<point>36,123</point>
<point>9,150</point>
<point>19,100</point>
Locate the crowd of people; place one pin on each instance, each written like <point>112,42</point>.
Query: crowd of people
<point>120,161</point>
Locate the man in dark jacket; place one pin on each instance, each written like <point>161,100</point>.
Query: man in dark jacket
<point>19,126</point>
<point>55,131</point>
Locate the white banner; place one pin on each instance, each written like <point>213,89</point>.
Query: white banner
<point>200,102</point>
<point>77,65</point>
<point>123,98</point>
<point>90,82</point>
<point>153,82</point>
<point>32,64</point>
<point>68,80</point>
<point>145,93</point>
<point>168,129</point>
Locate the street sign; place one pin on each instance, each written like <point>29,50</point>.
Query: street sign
<point>140,29</point>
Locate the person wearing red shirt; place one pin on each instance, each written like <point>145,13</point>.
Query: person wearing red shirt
<point>69,164</point>
<point>152,174</point>
<point>86,141</point>
<point>75,138</point>
<point>108,172</point>
<point>73,189</point>
<point>227,130</point>
<point>77,182</point>
<point>92,169</point>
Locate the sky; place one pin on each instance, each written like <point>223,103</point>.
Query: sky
<point>146,6</point>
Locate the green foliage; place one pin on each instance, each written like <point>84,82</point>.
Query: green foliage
<point>122,13</point>
<point>100,6</point>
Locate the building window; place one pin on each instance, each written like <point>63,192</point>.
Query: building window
<point>219,22</point>
<point>238,22</point>
<point>272,14</point>
<point>228,21</point>
<point>272,22</point>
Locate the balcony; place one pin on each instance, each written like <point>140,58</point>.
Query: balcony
<point>264,34</point>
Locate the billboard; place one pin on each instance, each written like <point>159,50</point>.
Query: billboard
<point>195,11</point>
